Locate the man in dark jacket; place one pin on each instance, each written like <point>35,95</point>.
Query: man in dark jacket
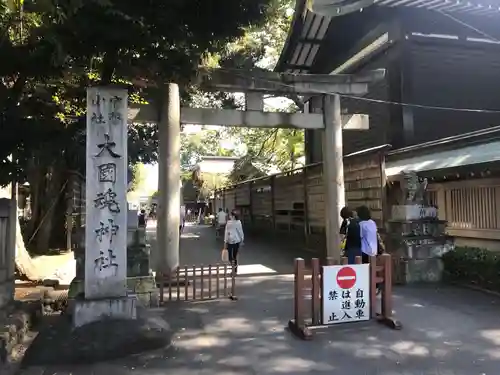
<point>350,230</point>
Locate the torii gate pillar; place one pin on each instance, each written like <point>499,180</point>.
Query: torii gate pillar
<point>169,176</point>
<point>256,84</point>
<point>333,172</point>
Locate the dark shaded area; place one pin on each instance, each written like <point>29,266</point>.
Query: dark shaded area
<point>58,344</point>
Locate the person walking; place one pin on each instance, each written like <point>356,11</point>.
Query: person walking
<point>142,219</point>
<point>221,223</point>
<point>182,222</point>
<point>233,239</point>
<point>351,241</point>
<point>371,243</point>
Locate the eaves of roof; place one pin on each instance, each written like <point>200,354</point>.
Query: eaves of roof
<point>312,19</point>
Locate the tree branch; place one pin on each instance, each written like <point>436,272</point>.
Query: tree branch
<point>108,67</point>
<point>273,133</point>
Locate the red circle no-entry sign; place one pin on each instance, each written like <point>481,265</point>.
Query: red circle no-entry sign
<point>346,278</point>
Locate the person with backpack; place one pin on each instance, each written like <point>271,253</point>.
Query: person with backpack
<point>351,242</point>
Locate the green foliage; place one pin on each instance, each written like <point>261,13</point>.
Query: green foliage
<point>474,266</point>
<point>206,142</point>
<point>52,50</point>
<point>138,177</point>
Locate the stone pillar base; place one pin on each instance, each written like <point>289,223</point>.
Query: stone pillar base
<point>87,311</point>
<point>424,270</point>
<point>144,287</point>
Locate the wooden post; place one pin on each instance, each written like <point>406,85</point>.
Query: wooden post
<point>250,202</point>
<point>383,192</point>
<point>386,308</point>
<point>232,295</point>
<point>306,203</point>
<point>373,287</point>
<point>298,325</point>
<point>315,291</point>
<point>333,172</point>
<point>235,198</point>
<point>298,292</point>
<point>273,204</point>
<point>162,288</point>
<point>223,192</point>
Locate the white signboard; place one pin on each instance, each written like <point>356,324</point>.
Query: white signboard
<point>346,293</point>
<point>106,189</point>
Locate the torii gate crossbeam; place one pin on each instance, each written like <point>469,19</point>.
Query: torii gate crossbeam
<point>253,85</point>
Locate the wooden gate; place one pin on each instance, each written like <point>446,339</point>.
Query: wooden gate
<point>199,283</point>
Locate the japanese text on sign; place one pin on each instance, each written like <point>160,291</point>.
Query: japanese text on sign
<point>106,114</point>
<point>346,291</point>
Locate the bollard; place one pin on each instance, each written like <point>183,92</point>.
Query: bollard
<point>298,325</point>
<point>386,317</point>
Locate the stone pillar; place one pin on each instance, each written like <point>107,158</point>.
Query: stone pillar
<point>314,146</point>
<point>333,172</point>
<point>105,283</point>
<point>169,202</point>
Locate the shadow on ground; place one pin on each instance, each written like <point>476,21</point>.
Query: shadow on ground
<point>58,343</point>
<point>446,331</point>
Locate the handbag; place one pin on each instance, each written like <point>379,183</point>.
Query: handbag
<point>343,241</point>
<point>380,245</point>
<point>224,256</point>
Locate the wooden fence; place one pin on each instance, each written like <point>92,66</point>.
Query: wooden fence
<point>198,283</point>
<point>295,202</point>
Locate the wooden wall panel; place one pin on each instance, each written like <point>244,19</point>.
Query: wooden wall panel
<point>364,183</point>
<point>242,193</point>
<point>316,198</point>
<point>261,198</point>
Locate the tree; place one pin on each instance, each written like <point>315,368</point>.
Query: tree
<point>51,51</point>
<point>259,48</point>
<point>137,178</point>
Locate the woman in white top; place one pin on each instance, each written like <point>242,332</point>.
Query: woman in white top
<point>371,243</point>
<point>233,238</point>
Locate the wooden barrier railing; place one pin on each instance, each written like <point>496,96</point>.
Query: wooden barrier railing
<point>198,283</point>
<point>308,314</point>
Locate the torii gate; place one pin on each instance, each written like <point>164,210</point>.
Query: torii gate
<point>254,85</point>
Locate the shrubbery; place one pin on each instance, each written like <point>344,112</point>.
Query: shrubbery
<point>473,266</point>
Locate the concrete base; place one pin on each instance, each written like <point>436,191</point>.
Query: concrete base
<point>144,287</point>
<point>424,270</point>
<point>89,311</point>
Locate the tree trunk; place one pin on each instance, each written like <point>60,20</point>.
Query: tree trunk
<point>46,192</point>
<point>24,263</point>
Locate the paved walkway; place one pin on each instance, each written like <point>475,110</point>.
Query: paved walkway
<point>447,331</point>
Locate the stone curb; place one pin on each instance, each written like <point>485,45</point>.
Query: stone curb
<point>473,287</point>
<point>15,333</point>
